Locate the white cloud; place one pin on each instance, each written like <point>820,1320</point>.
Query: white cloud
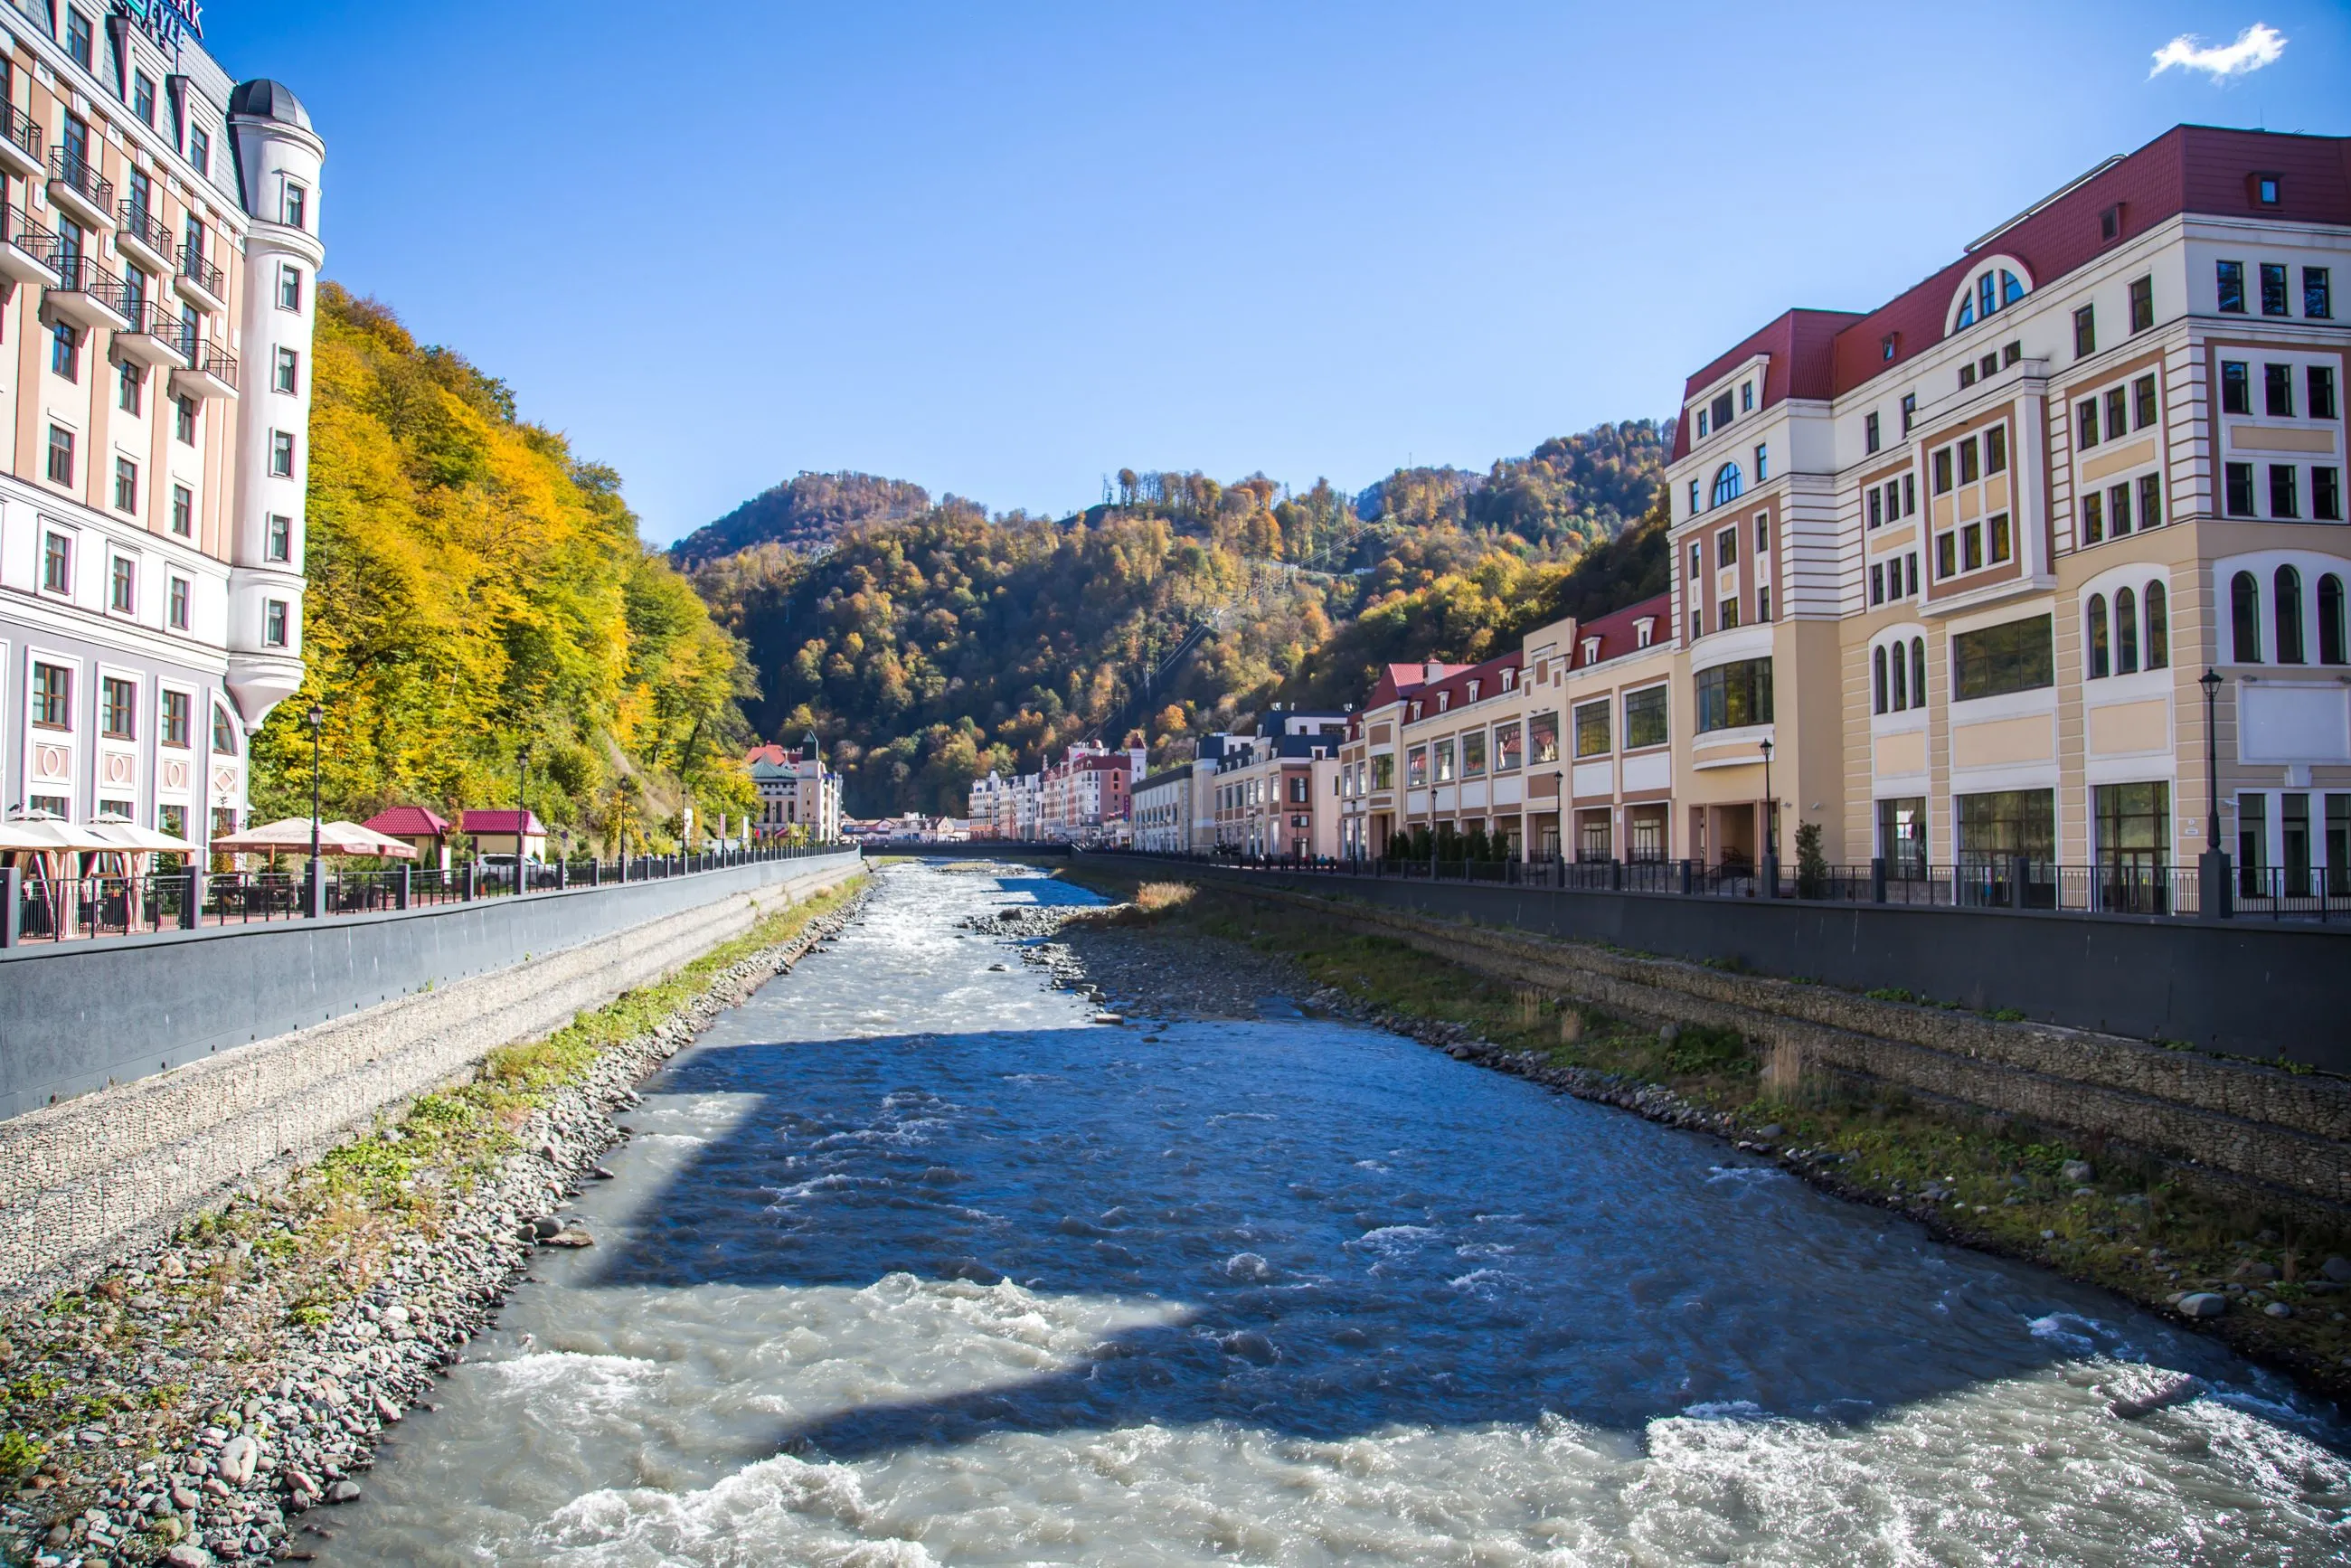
<point>2257,46</point>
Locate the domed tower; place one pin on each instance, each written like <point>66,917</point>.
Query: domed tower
<point>278,157</point>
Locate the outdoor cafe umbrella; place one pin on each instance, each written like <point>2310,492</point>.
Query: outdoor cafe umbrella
<point>334,839</point>
<point>138,846</point>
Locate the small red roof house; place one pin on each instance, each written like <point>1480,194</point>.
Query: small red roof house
<point>493,832</point>
<point>421,829</point>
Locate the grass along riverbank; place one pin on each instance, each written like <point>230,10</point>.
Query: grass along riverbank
<point>186,1401</point>
<point>2092,1213</point>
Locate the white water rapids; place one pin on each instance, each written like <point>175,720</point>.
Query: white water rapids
<point>911,1263</point>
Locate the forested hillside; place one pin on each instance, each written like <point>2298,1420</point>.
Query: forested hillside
<point>926,651</point>
<point>475,587</point>
<point>805,513</point>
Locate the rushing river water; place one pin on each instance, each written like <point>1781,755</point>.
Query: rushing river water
<point>910,1262</point>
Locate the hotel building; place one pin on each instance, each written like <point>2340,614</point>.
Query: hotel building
<point>796,791</point>
<point>1947,572</point>
<point>159,257</point>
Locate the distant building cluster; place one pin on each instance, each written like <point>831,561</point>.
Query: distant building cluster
<point>1086,798</point>
<point>799,797</point>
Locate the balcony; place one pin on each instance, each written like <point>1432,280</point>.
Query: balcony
<point>20,143</point>
<point>154,337</point>
<point>211,371</point>
<point>79,191</point>
<point>200,283</point>
<point>28,252</point>
<point>143,237</point>
<point>87,295</point>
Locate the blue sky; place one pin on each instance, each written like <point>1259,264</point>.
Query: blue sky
<point>1000,250</point>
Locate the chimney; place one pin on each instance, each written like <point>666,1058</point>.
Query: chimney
<point>1432,671</point>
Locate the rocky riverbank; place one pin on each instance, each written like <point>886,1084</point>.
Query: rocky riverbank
<point>194,1405</point>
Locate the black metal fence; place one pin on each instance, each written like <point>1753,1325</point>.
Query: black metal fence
<point>2010,883</point>
<point>35,908</point>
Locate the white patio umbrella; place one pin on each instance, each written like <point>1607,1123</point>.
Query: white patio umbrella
<point>293,834</point>
<point>136,845</point>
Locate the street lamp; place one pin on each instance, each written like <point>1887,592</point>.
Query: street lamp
<point>2212,868</point>
<point>522,812</point>
<point>1772,805</point>
<point>317,719</point>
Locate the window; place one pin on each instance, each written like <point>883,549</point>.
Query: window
<point>2158,627</point>
<point>1693,498</point>
<point>2273,302</point>
<point>130,385</point>
<point>2284,500</point>
<point>2125,632</point>
<point>52,695</point>
<point>2317,301</point>
<point>1735,695</point>
<point>2244,619</point>
<point>2142,304</point>
<point>2011,353</point>
<point>289,287</point>
<point>1591,729</point>
<point>1902,836</point>
<point>280,542</point>
<point>183,420</point>
<point>1987,367</point>
<point>2134,831</point>
<point>1997,530</point>
<point>2288,587</point>
<point>2327,494</point>
<point>2094,517</point>
<point>1441,757</point>
<point>1728,484</point>
<point>1996,449</point>
<point>2117,413</point>
<point>78,39</point>
<point>1542,737</point>
<point>65,351</point>
<point>1473,754</point>
<point>1877,507</point>
<point>1971,546</point>
<point>1878,680</point>
<point>1721,411</point>
<point>2007,823</point>
<point>183,511</point>
<point>281,455</point>
<point>1869,433</point>
<point>294,206</point>
<point>2331,649</point>
<point>1725,548</point>
<point>118,705</point>
<point>1762,464</point>
<point>2236,387</point>
<point>1995,661</point>
<point>2086,423</point>
<point>2098,649</point>
<point>1727,615</point>
<point>56,563</point>
<point>2142,403</point>
<point>224,732</point>
<point>2230,276</point>
<point>179,603</point>
<point>287,375</point>
<point>126,484</point>
<point>1645,717</point>
<point>1746,397</point>
<point>176,725</point>
<point>122,586</point>
<point>1509,747</point>
<point>2118,514</point>
<point>2239,484</point>
<point>1888,346</point>
<point>200,150</point>
<point>142,96</point>
<point>1878,583</point>
<point>2320,382</point>
<point>2150,501</point>
<point>1415,767</point>
<point>2277,391</point>
<point>1943,471</point>
<point>2085,332</point>
<point>1947,555</point>
<point>1909,410</point>
<point>1967,375</point>
<point>273,624</point>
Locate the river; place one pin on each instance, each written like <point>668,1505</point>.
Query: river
<point>909,1261</point>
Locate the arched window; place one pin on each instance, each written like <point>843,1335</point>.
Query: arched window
<point>1728,482</point>
<point>2330,619</point>
<point>2244,619</point>
<point>223,732</point>
<point>2289,615</point>
<point>2098,655</point>
<point>1901,686</point>
<point>1877,678</point>
<point>2125,632</point>
<point>2158,627</point>
<point>1918,671</point>
<point>2012,289</point>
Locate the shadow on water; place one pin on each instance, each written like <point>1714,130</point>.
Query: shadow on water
<point>1347,1233</point>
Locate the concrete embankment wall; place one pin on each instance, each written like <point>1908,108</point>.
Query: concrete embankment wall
<point>81,1179</point>
<point>2248,987</point>
<point>2279,1136</point>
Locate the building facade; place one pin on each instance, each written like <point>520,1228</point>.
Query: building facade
<point>159,249</point>
<point>1084,798</point>
<point>1964,557</point>
<point>796,791</point>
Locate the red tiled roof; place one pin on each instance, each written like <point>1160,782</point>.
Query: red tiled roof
<point>770,753</point>
<point>502,821</point>
<point>407,822</point>
<point>1488,676</point>
<point>1617,634</point>
<point>1800,344</point>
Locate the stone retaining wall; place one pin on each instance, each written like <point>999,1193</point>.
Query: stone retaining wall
<point>86,1179</point>
<point>2280,1135</point>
